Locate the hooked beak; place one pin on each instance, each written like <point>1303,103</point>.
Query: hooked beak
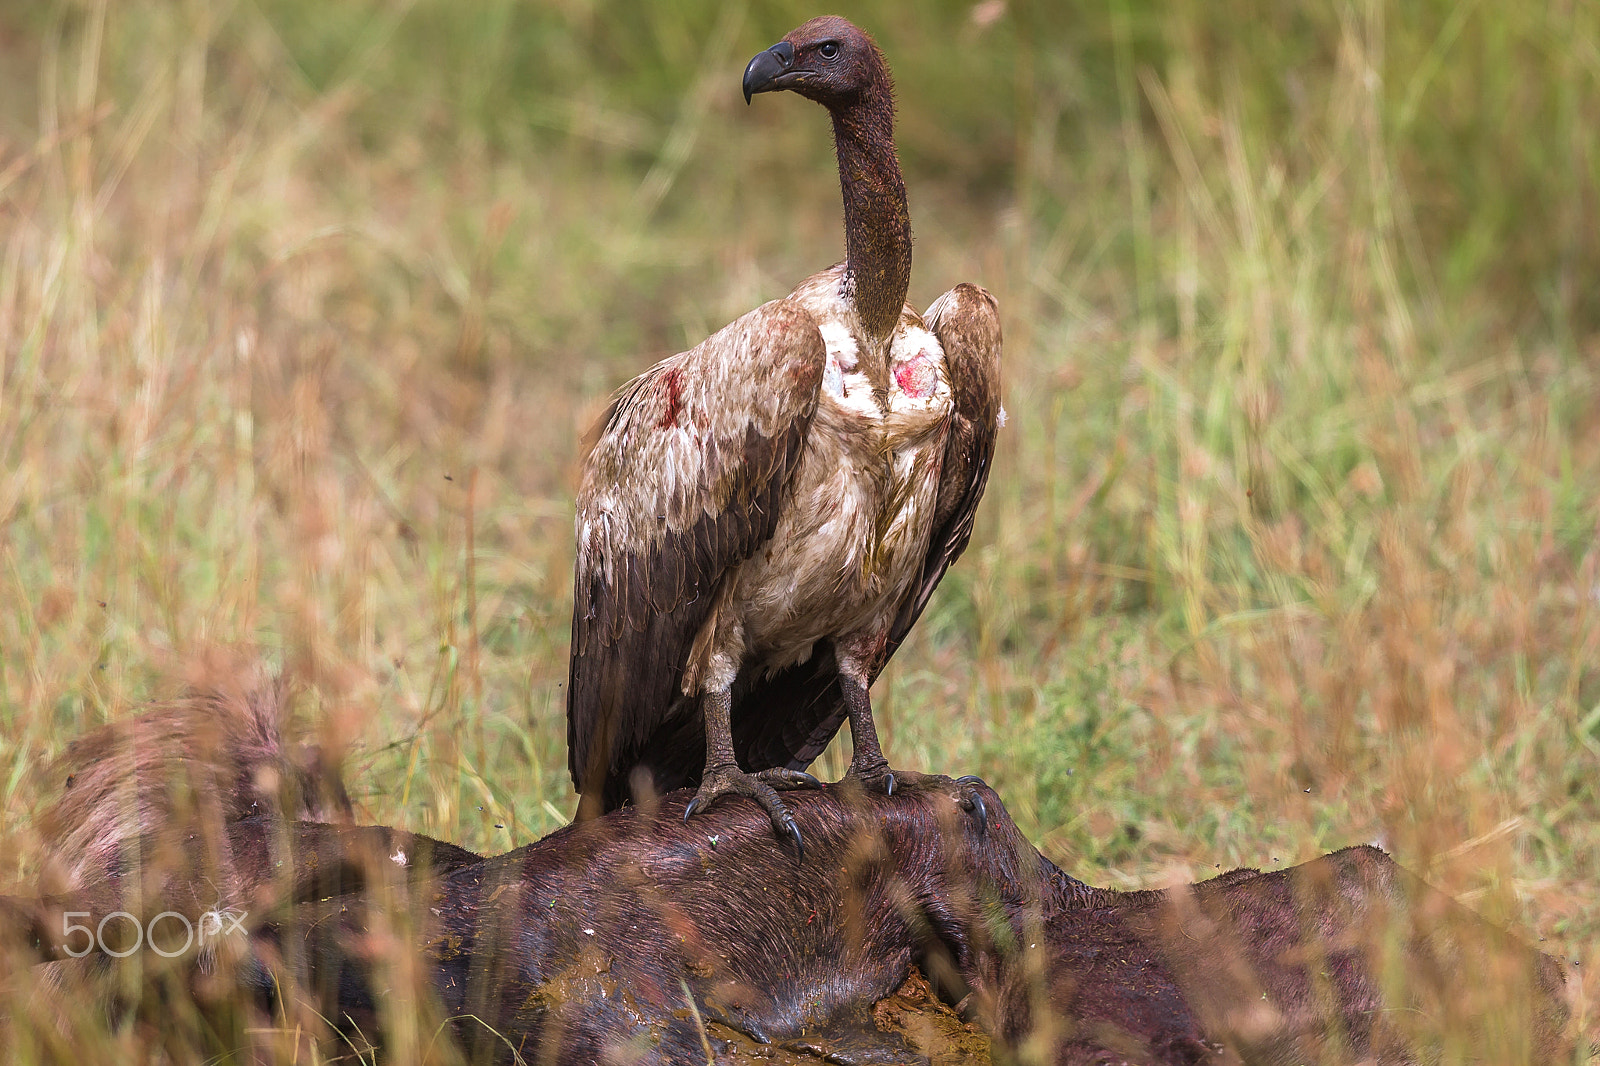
<point>770,71</point>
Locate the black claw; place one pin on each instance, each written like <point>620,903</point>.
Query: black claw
<point>794,835</point>
<point>811,782</point>
<point>888,786</point>
<point>981,813</point>
<point>971,779</point>
<point>693,806</point>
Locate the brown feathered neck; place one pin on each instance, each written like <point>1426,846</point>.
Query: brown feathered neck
<point>877,224</point>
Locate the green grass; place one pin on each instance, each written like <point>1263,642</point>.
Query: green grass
<point>304,307</point>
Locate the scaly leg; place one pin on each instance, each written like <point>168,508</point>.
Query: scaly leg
<point>722,774</point>
<point>870,769</point>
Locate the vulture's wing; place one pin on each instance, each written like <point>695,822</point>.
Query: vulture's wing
<point>967,322</point>
<point>790,718</point>
<point>687,479</point>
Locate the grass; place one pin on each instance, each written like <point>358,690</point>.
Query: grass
<point>1292,542</point>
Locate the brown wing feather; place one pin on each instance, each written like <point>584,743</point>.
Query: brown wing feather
<point>793,715</point>
<point>686,481</point>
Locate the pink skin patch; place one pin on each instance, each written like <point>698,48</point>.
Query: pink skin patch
<point>916,376</point>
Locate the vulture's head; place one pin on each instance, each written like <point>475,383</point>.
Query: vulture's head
<point>827,60</point>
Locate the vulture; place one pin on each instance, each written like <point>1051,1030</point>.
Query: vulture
<point>762,519</point>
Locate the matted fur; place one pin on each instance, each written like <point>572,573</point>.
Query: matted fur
<point>626,938</point>
<point>214,755</point>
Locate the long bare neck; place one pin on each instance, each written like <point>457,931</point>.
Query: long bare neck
<point>877,225</point>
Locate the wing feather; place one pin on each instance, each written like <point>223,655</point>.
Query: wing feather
<point>967,322</point>
<point>686,480</point>
<point>793,715</point>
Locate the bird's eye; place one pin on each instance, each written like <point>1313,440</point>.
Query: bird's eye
<point>828,50</point>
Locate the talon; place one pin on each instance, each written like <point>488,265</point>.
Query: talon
<point>888,784</point>
<point>980,812</point>
<point>794,834</point>
<point>971,779</point>
<point>783,779</point>
<point>693,806</point>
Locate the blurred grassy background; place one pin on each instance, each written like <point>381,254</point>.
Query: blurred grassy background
<point>304,306</point>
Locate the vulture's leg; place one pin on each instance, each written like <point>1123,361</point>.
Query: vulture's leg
<point>870,769</point>
<point>867,765</point>
<point>722,774</point>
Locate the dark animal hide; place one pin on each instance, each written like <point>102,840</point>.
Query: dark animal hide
<point>635,938</point>
<point>221,752</point>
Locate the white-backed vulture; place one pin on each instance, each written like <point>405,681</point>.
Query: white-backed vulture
<point>763,518</point>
